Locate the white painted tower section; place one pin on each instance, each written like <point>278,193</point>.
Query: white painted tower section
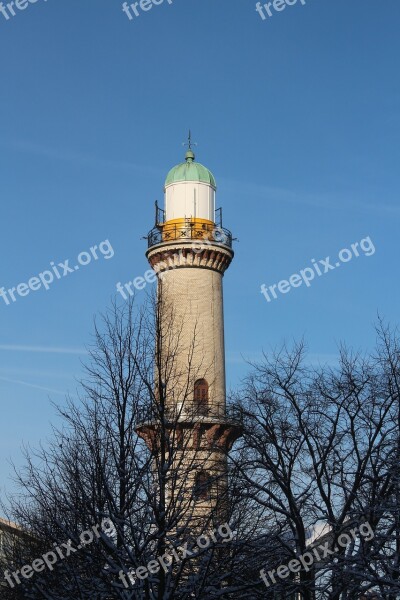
<point>190,200</point>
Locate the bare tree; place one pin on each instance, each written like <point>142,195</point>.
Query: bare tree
<point>124,455</point>
<point>320,453</point>
<point>319,457</point>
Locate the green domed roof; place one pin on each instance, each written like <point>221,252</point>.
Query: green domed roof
<point>190,171</point>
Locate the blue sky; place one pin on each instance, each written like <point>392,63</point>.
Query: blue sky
<point>298,118</point>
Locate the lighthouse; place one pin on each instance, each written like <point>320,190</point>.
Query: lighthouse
<point>190,250</point>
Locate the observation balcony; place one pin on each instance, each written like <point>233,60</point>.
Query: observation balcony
<point>191,231</point>
<point>190,413</point>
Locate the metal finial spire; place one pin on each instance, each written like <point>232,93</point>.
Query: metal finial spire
<point>189,154</point>
<point>189,143</point>
<point>190,140</point>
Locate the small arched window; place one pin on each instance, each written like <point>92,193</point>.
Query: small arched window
<point>202,486</point>
<point>201,396</point>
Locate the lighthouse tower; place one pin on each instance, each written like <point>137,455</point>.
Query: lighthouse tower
<point>190,251</point>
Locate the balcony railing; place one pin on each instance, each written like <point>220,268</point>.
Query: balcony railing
<point>190,412</point>
<point>190,230</point>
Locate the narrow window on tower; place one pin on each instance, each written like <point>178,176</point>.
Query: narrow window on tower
<point>202,486</point>
<point>199,437</point>
<point>201,397</point>
<point>179,438</point>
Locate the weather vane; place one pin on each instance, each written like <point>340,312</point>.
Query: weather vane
<point>189,143</point>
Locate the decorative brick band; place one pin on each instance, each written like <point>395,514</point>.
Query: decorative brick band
<point>218,437</point>
<point>183,255</point>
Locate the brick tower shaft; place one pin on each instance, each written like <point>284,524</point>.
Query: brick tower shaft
<point>190,252</point>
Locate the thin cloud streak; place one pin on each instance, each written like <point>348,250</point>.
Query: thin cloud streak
<point>326,200</point>
<point>72,156</point>
<point>47,349</point>
<point>32,385</point>
<point>29,372</point>
<point>316,360</point>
